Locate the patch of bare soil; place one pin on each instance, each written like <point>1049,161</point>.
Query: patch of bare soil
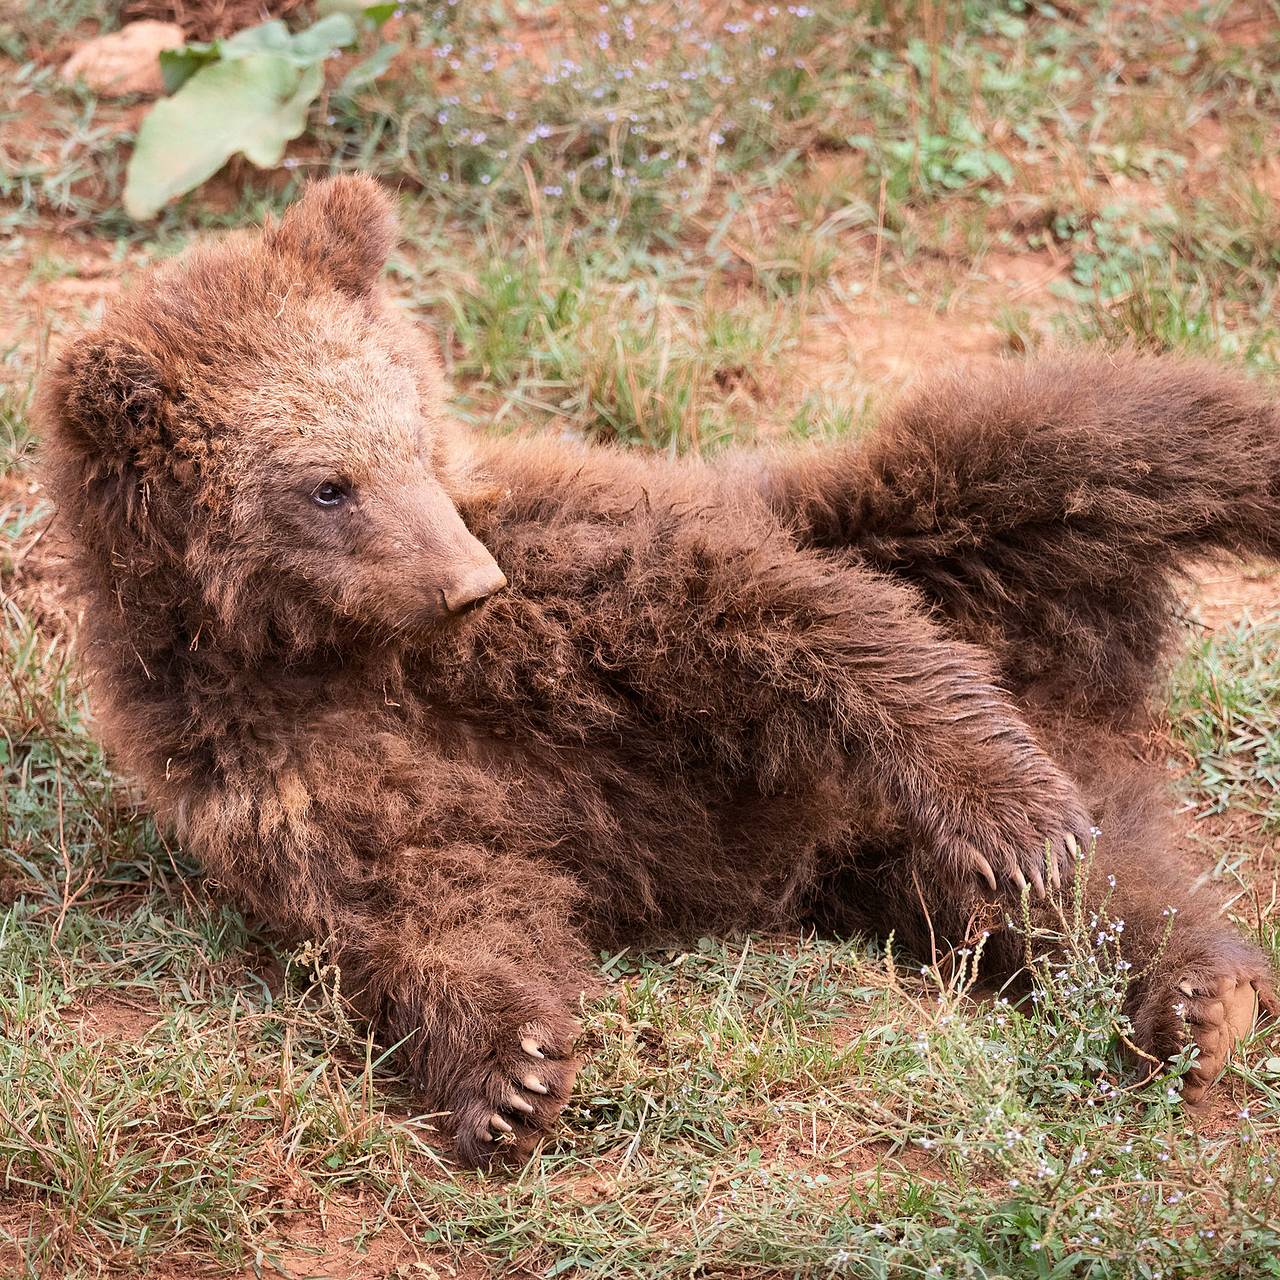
<point>20,1222</point>
<point>1243,22</point>
<point>1266,177</point>
<point>64,279</point>
<point>1202,837</point>
<point>331,1241</point>
<point>35,134</point>
<point>1210,139</point>
<point>32,571</point>
<point>207,19</point>
<point>1224,595</point>
<point>113,1020</point>
<point>880,346</point>
<point>1024,278</point>
<point>49,281</point>
<point>871,348</point>
<point>324,1243</point>
<point>327,1243</point>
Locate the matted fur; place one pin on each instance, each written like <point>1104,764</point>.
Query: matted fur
<point>834,684</point>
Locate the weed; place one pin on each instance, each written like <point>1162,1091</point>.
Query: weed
<point>36,27</point>
<point>16,442</point>
<point>500,321</point>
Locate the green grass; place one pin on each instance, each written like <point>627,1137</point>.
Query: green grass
<point>673,227</point>
<point>31,26</point>
<point>16,443</point>
<point>1226,713</point>
<point>564,343</point>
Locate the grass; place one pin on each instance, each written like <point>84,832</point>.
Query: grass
<point>1227,717</point>
<point>16,443</point>
<point>675,227</point>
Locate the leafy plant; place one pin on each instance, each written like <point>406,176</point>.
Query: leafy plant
<point>247,94</point>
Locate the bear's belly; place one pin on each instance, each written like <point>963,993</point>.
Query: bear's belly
<point>661,852</point>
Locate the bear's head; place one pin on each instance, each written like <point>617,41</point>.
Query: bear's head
<point>256,439</point>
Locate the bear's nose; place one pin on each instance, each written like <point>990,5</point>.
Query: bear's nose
<point>473,587</point>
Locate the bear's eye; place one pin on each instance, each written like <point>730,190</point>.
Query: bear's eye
<point>332,493</point>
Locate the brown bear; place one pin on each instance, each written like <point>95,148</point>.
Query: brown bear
<point>463,708</point>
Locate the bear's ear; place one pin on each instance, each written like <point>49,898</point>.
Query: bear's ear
<point>111,397</point>
<point>343,229</point>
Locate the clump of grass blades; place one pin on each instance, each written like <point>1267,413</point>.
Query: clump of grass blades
<point>1225,713</point>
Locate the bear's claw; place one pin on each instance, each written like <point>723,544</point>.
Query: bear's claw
<point>1031,875</point>
<point>985,871</point>
<point>511,1106</point>
<point>1029,852</point>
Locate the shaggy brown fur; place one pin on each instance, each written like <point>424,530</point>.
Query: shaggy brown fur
<point>880,686</point>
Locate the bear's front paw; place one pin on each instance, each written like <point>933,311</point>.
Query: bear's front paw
<point>1009,820</point>
<point>511,1098</point>
<point>1025,846</point>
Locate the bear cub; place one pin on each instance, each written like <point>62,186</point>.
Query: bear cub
<point>464,708</point>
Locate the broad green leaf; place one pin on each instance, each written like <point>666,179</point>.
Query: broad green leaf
<point>253,105</point>
<point>366,72</point>
<point>177,66</point>
<point>379,13</point>
<point>319,40</point>
<point>304,49</point>
<point>267,37</point>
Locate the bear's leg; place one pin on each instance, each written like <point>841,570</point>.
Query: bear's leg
<point>777,670</point>
<point>1195,977</point>
<point>486,1046</point>
<point>459,947</point>
<point>483,1016</point>
<point>961,769</point>
<point>1045,509</point>
<point>1211,989</point>
<point>1192,977</point>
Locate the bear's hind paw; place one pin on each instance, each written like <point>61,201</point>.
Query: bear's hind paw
<point>1215,1002</point>
<point>1219,1014</point>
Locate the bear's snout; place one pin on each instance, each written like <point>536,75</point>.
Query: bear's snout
<point>473,587</point>
<point>447,564</point>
